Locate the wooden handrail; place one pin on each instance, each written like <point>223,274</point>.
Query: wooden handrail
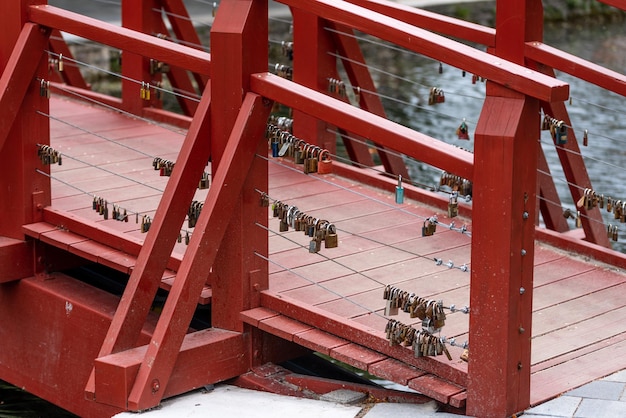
<point>578,67</point>
<point>118,37</point>
<point>500,71</point>
<point>380,130</point>
<point>435,22</point>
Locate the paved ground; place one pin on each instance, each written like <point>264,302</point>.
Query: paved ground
<point>604,398</point>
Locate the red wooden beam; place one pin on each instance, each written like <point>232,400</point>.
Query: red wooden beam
<point>365,336</point>
<point>18,74</point>
<point>503,230</point>
<point>376,128</point>
<point>575,172</point>
<point>500,71</point>
<point>359,75</point>
<point>16,259</point>
<point>218,209</point>
<point>435,22</point>
<point>313,66</point>
<point>183,28</point>
<point>92,230</point>
<point>121,38</point>
<point>71,74</point>
<point>160,240</point>
<point>206,357</point>
<point>68,320</point>
<point>578,67</point>
<point>620,4</point>
<point>549,199</point>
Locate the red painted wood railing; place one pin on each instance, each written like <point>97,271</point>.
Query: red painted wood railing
<point>226,125</point>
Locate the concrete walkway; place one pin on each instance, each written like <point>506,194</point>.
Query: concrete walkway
<point>604,398</point>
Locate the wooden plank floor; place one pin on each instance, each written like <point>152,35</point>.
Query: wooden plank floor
<point>579,333</point>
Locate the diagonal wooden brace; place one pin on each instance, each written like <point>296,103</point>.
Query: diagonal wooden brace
<point>221,200</point>
<point>155,253</point>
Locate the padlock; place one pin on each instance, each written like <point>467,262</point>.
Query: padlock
<point>60,63</point>
<point>431,96</point>
<point>615,233</point>
<point>324,164</point>
<point>617,209</point>
<point>274,145</point>
<point>439,96</point>
<point>315,245</point>
<point>462,132</point>
<point>283,226</point>
<point>204,181</point>
<point>285,144</point>
<point>306,156</point>
<point>399,191</point>
<point>298,154</point>
<point>429,228</point>
<point>561,133</point>
<point>453,205</point>
<point>331,240</point>
<point>313,159</point>
<point>585,138</point>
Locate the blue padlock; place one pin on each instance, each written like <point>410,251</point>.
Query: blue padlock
<point>399,191</point>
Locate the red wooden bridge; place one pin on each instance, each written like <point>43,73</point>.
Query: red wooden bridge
<point>199,304</point>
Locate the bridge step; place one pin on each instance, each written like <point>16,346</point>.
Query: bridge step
<point>98,253</point>
<point>355,355</point>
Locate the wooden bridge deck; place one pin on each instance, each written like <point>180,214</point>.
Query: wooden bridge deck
<point>579,330</point>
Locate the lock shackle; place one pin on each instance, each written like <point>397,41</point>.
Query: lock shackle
<point>313,151</point>
<point>322,153</point>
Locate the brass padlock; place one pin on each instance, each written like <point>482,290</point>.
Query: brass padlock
<point>429,227</point>
<point>453,205</point>
<point>298,154</point>
<point>204,181</point>
<point>331,240</point>
<point>313,159</point>
<point>306,155</point>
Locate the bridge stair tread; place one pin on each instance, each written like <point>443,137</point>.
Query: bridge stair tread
<point>97,252</point>
<point>355,355</point>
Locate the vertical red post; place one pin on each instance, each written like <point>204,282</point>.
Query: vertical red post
<point>312,67</point>
<point>139,15</point>
<point>23,191</point>
<point>503,231</point>
<point>239,39</point>
<point>505,184</point>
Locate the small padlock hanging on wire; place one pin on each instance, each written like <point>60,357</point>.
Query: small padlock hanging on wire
<point>462,132</point>
<point>399,191</point>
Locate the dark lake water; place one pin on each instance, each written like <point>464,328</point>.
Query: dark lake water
<point>596,110</point>
<point>600,112</point>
